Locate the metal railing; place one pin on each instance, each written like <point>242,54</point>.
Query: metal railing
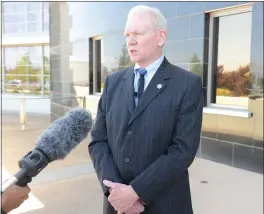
<point>23,112</point>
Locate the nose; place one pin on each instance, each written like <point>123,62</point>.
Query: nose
<point>131,40</point>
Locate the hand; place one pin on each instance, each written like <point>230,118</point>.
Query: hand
<point>13,197</point>
<point>122,197</point>
<point>136,209</point>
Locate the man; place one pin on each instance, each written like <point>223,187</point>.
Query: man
<point>147,129</point>
<point>13,197</point>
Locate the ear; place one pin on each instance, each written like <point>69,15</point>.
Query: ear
<point>162,38</point>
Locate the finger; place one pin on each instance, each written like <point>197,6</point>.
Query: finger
<point>139,207</point>
<point>114,202</point>
<point>26,197</point>
<point>28,189</point>
<point>109,184</point>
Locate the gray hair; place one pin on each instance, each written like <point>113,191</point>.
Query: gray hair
<point>158,18</point>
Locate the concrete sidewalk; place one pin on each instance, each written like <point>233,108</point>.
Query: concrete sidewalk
<point>228,191</point>
<point>71,187</point>
<point>216,189</point>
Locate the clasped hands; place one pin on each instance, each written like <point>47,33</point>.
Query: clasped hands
<point>123,198</point>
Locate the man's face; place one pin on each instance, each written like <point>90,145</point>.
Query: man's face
<point>143,39</point>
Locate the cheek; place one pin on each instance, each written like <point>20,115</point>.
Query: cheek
<point>146,47</point>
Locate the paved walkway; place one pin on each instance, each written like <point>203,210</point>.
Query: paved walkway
<point>71,187</point>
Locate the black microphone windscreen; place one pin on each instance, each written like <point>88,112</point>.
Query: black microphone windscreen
<point>65,133</point>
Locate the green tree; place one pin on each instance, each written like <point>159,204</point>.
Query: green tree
<point>25,72</point>
<point>195,65</point>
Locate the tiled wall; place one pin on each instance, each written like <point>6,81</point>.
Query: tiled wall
<point>230,140</point>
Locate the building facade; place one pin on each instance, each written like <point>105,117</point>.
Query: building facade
<point>220,41</point>
<point>25,48</point>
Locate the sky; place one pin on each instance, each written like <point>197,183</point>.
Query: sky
<point>234,40</point>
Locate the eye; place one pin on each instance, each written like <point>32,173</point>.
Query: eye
<point>127,34</point>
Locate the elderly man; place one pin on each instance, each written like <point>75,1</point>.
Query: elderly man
<point>148,125</point>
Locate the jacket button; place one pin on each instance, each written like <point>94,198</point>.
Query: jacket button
<point>129,132</point>
<point>126,160</point>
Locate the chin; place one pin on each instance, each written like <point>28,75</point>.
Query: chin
<point>134,59</point>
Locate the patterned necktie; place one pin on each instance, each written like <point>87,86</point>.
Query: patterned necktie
<point>142,72</point>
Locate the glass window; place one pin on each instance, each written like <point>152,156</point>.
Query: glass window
<point>14,18</point>
<point>14,28</point>
<point>46,85</point>
<point>14,7</point>
<point>33,27</point>
<point>34,6</point>
<point>46,6</point>
<point>46,70</point>
<point>46,57</point>
<point>33,16</point>
<point>97,60</point>
<point>46,26</point>
<point>20,7</point>
<point>23,70</point>
<point>9,8</point>
<point>231,59</point>
<point>35,55</point>
<point>46,15</point>
<point>10,58</point>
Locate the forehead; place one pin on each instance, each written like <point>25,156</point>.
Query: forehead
<point>139,21</point>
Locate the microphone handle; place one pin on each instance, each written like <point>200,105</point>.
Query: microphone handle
<point>23,177</point>
<point>19,178</point>
<point>30,166</point>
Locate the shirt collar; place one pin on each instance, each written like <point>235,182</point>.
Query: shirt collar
<point>153,67</point>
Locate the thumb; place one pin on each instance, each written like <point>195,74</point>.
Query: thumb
<point>109,183</point>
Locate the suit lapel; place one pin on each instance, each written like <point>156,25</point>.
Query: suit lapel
<point>127,89</point>
<point>156,85</point>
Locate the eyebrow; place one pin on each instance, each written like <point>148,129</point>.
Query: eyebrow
<point>135,31</point>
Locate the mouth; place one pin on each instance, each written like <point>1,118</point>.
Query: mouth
<point>132,51</point>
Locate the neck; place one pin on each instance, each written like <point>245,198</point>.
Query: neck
<point>144,64</point>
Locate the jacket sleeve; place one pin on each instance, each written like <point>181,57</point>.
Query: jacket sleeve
<point>165,170</point>
<point>99,151</point>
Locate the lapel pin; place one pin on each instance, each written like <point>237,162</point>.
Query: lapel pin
<point>159,86</point>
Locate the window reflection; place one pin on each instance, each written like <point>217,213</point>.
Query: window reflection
<point>46,63</point>
<point>46,15</point>
<point>46,55</point>
<point>14,18</point>
<point>45,5</point>
<point>20,7</point>
<point>33,27</point>
<point>24,71</point>
<point>21,18</point>
<point>233,40</point>
<point>14,28</point>
<point>46,27</point>
<point>8,8</point>
<point>33,6</point>
<point>35,54</point>
<point>33,16</point>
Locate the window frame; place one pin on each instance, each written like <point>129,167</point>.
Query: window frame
<point>94,64</point>
<point>212,49</point>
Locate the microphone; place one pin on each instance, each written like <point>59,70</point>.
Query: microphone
<point>55,143</point>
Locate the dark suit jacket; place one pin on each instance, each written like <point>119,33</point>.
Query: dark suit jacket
<point>151,146</point>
